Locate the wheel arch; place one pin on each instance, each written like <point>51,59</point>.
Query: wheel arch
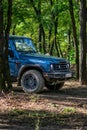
<point>25,68</point>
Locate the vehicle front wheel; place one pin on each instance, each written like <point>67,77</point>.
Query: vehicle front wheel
<point>55,86</point>
<point>32,81</point>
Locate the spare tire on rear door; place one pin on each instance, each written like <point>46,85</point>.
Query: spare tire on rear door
<point>32,81</point>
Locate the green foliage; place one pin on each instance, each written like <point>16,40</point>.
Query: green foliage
<point>26,22</point>
<point>69,110</point>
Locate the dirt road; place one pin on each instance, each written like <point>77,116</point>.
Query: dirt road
<point>62,110</point>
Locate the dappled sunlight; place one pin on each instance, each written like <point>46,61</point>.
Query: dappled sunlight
<point>42,120</point>
<point>66,108</point>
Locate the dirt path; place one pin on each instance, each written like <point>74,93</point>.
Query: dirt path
<point>62,110</point>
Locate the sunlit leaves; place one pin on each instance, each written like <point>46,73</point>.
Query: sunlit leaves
<point>27,21</point>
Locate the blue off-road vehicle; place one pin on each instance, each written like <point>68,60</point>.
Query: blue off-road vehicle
<point>32,70</point>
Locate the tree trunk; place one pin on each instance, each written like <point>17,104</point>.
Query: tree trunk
<point>51,48</point>
<point>14,28</point>
<point>83,44</point>
<point>49,38</point>
<point>60,51</point>
<point>69,42</point>
<point>44,42</point>
<point>41,33</point>
<point>2,81</point>
<point>5,80</point>
<point>75,37</point>
<point>54,18</point>
<point>9,14</point>
<point>39,39</point>
<point>55,34</point>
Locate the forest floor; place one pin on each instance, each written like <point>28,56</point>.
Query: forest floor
<point>62,110</point>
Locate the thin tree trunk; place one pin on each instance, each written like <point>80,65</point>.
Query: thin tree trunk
<point>55,34</point>
<point>51,48</point>
<point>44,42</point>
<point>41,34</point>
<point>49,37</point>
<point>60,51</point>
<point>75,37</point>
<point>54,18</point>
<point>14,27</point>
<point>69,41</point>
<point>83,44</point>
<point>39,39</point>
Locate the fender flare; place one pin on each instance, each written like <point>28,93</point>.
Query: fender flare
<point>24,68</point>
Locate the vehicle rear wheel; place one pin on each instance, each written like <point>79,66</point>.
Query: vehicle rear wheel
<point>55,86</point>
<point>32,81</point>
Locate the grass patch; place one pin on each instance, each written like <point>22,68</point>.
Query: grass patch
<point>36,120</point>
<point>69,110</point>
<point>41,117</point>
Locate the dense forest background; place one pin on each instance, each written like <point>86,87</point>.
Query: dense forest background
<point>56,27</point>
<point>48,23</point>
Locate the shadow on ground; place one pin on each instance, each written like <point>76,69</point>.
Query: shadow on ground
<point>80,91</point>
<point>69,93</point>
<point>69,98</point>
<point>41,120</point>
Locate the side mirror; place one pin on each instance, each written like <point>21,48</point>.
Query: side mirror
<point>10,53</point>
